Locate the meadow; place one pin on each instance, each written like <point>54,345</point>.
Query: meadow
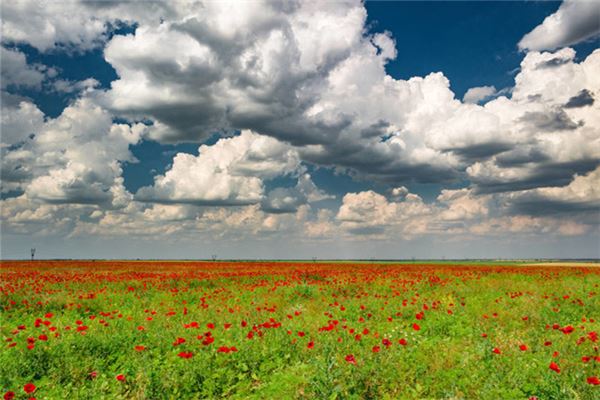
<point>307,330</point>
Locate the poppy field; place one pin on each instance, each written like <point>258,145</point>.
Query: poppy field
<point>285,330</point>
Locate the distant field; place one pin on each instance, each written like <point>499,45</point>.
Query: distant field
<point>283,330</point>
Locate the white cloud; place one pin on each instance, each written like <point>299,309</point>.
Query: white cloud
<point>74,158</point>
<point>230,172</point>
<point>480,93</point>
<point>16,71</point>
<point>574,22</point>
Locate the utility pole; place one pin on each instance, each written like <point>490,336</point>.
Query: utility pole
<point>32,253</point>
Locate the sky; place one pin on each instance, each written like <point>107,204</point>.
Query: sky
<point>187,129</point>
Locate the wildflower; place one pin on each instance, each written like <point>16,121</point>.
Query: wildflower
<point>29,388</point>
<point>350,359</point>
<point>593,380</point>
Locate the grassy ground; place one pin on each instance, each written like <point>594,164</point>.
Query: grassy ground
<point>298,330</point>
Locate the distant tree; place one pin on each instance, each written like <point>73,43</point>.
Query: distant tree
<point>314,259</point>
<point>32,253</point>
<point>214,257</point>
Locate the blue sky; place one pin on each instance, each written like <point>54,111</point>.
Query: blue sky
<point>383,129</point>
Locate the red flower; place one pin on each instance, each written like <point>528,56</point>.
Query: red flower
<point>402,342</point>
<point>120,377</point>
<point>185,354</point>
<point>29,388</point>
<point>376,349</point>
<point>554,367</point>
<point>567,329</point>
<point>593,380</point>
<point>210,325</point>
<point>416,327</point>
<point>9,395</point>
<point>386,342</point>
<point>523,347</point>
<point>548,343</point>
<point>311,345</point>
<point>496,350</point>
<point>140,348</point>
<point>93,374</point>
<point>350,358</point>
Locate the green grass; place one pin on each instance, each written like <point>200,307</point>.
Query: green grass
<point>446,358</point>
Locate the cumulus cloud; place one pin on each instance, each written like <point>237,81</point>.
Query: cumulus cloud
<point>16,71</point>
<point>480,93</point>
<point>298,94</point>
<point>574,22</point>
<point>582,194</point>
<point>230,172</point>
<point>74,158</point>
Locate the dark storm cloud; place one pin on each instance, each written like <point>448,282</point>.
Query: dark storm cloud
<point>375,130</point>
<point>481,151</point>
<point>544,175</point>
<point>520,156</point>
<point>539,206</point>
<point>582,99</point>
<point>556,120</point>
<point>379,162</point>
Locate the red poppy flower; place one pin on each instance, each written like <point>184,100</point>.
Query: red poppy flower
<point>593,380</point>
<point>29,388</point>
<point>496,350</point>
<point>402,342</point>
<point>93,374</point>
<point>210,325</point>
<point>376,349</point>
<point>140,348</point>
<point>185,354</point>
<point>554,367</point>
<point>9,395</point>
<point>416,327</point>
<point>567,329</point>
<point>523,347</point>
<point>350,358</point>
<point>311,345</point>
<point>120,377</point>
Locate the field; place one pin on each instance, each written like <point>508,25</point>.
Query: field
<point>277,330</point>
